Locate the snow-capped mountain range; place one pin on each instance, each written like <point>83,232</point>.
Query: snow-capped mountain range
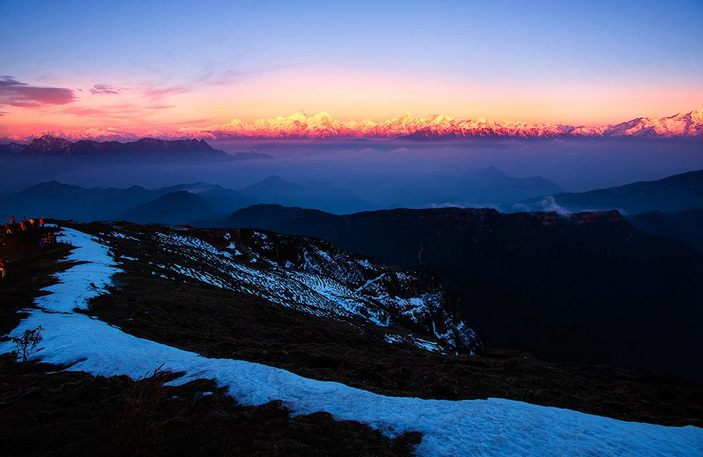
<point>323,125</point>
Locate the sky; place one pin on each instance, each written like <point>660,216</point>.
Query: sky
<point>139,66</point>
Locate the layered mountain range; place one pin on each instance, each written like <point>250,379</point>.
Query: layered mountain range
<point>324,125</point>
<point>50,146</point>
<point>177,204</point>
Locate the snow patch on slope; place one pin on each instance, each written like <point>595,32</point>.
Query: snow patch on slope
<point>323,284</point>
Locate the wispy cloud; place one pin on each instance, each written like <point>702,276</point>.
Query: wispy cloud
<point>106,89</point>
<point>158,93</point>
<point>16,93</point>
<point>211,75</point>
<point>214,76</point>
<point>114,111</point>
<point>158,106</point>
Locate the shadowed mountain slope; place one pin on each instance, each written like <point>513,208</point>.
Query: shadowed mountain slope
<point>588,287</point>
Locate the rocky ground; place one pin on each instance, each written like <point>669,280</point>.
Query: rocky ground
<point>44,412</point>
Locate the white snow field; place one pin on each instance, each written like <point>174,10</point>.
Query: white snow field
<point>493,427</point>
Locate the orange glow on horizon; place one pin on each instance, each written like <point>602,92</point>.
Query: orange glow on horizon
<point>346,95</point>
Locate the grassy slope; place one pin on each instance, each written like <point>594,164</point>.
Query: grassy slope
<point>45,412</point>
<point>222,323</point>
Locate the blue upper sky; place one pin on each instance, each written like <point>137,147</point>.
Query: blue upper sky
<point>539,48</point>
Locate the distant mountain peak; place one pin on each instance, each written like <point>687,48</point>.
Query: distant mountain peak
<point>299,115</point>
<point>47,145</point>
<point>696,115</point>
<point>274,183</point>
<point>274,178</point>
<point>679,125</point>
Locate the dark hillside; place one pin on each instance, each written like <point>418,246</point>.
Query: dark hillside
<point>587,287</point>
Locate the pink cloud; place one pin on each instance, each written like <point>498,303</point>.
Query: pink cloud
<point>15,93</point>
<point>158,106</point>
<point>105,89</point>
<point>114,111</point>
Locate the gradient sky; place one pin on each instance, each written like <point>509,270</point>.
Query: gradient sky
<point>139,65</point>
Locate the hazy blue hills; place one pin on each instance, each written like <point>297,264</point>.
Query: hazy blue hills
<point>64,201</point>
<point>478,187</point>
<point>675,193</point>
<point>312,194</point>
<point>177,207</point>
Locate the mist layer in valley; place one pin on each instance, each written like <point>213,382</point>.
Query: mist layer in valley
<point>375,174</point>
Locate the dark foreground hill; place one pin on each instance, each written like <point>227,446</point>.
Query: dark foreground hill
<point>588,287</point>
<point>45,411</point>
<point>172,290</point>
